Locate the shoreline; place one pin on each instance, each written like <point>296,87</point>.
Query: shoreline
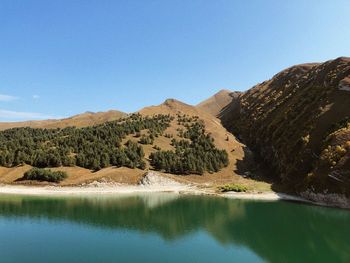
<point>153,182</point>
<point>105,189</point>
<point>115,189</point>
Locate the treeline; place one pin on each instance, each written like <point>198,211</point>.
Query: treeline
<point>102,146</point>
<point>93,147</point>
<point>193,155</point>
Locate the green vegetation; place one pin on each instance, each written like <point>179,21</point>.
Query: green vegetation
<point>103,145</point>
<point>39,174</point>
<point>233,188</point>
<point>194,154</point>
<point>90,147</point>
<point>147,139</point>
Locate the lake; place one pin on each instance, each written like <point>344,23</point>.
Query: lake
<point>165,227</point>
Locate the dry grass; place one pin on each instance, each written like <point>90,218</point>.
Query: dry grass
<point>78,175</point>
<point>287,118</point>
<point>80,120</point>
<point>216,103</point>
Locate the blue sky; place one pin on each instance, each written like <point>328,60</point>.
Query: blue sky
<point>59,58</point>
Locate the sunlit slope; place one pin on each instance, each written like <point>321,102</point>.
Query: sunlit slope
<point>80,120</point>
<point>216,103</point>
<point>298,123</point>
<point>90,167</point>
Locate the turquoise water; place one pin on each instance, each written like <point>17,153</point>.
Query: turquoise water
<point>169,228</point>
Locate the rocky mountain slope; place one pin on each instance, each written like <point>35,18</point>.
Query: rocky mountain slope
<point>80,120</point>
<point>298,123</point>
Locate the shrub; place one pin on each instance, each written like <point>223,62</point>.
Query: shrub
<point>233,187</point>
<point>48,175</point>
<point>146,139</point>
<point>156,147</point>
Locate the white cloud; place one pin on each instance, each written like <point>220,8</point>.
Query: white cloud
<point>18,115</point>
<point>4,97</point>
<point>35,97</point>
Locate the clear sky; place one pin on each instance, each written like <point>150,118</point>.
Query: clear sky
<point>59,58</point>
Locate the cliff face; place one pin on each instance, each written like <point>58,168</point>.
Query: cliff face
<point>298,122</point>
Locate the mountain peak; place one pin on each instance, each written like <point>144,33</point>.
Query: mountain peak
<point>222,92</point>
<point>87,118</point>
<point>217,102</point>
<point>172,102</point>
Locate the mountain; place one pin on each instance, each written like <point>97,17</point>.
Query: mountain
<point>217,102</point>
<point>173,138</point>
<point>80,120</point>
<point>223,105</point>
<point>222,138</point>
<point>298,124</point>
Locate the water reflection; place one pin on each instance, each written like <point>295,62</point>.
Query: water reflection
<point>276,231</point>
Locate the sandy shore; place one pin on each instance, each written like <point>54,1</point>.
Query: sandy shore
<point>88,189</point>
<point>152,182</point>
<point>105,189</point>
<point>263,196</point>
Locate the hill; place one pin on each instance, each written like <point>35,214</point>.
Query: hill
<point>222,138</point>
<point>217,102</point>
<point>298,124</point>
<point>80,120</point>
<point>172,138</point>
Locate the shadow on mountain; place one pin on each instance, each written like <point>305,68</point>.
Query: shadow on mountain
<point>231,111</point>
<point>276,231</point>
<point>250,166</point>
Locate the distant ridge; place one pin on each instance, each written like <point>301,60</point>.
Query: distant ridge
<point>79,120</point>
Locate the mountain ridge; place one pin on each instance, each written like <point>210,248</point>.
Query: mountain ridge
<point>297,122</point>
<point>215,103</point>
<point>79,120</point>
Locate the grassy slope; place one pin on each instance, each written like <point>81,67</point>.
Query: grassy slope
<point>80,120</point>
<point>287,121</point>
<point>78,175</point>
<point>216,103</point>
<point>213,125</point>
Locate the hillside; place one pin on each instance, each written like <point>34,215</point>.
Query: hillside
<point>222,138</point>
<point>298,124</point>
<point>172,138</point>
<point>80,120</point>
<point>223,105</point>
<point>217,102</point>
